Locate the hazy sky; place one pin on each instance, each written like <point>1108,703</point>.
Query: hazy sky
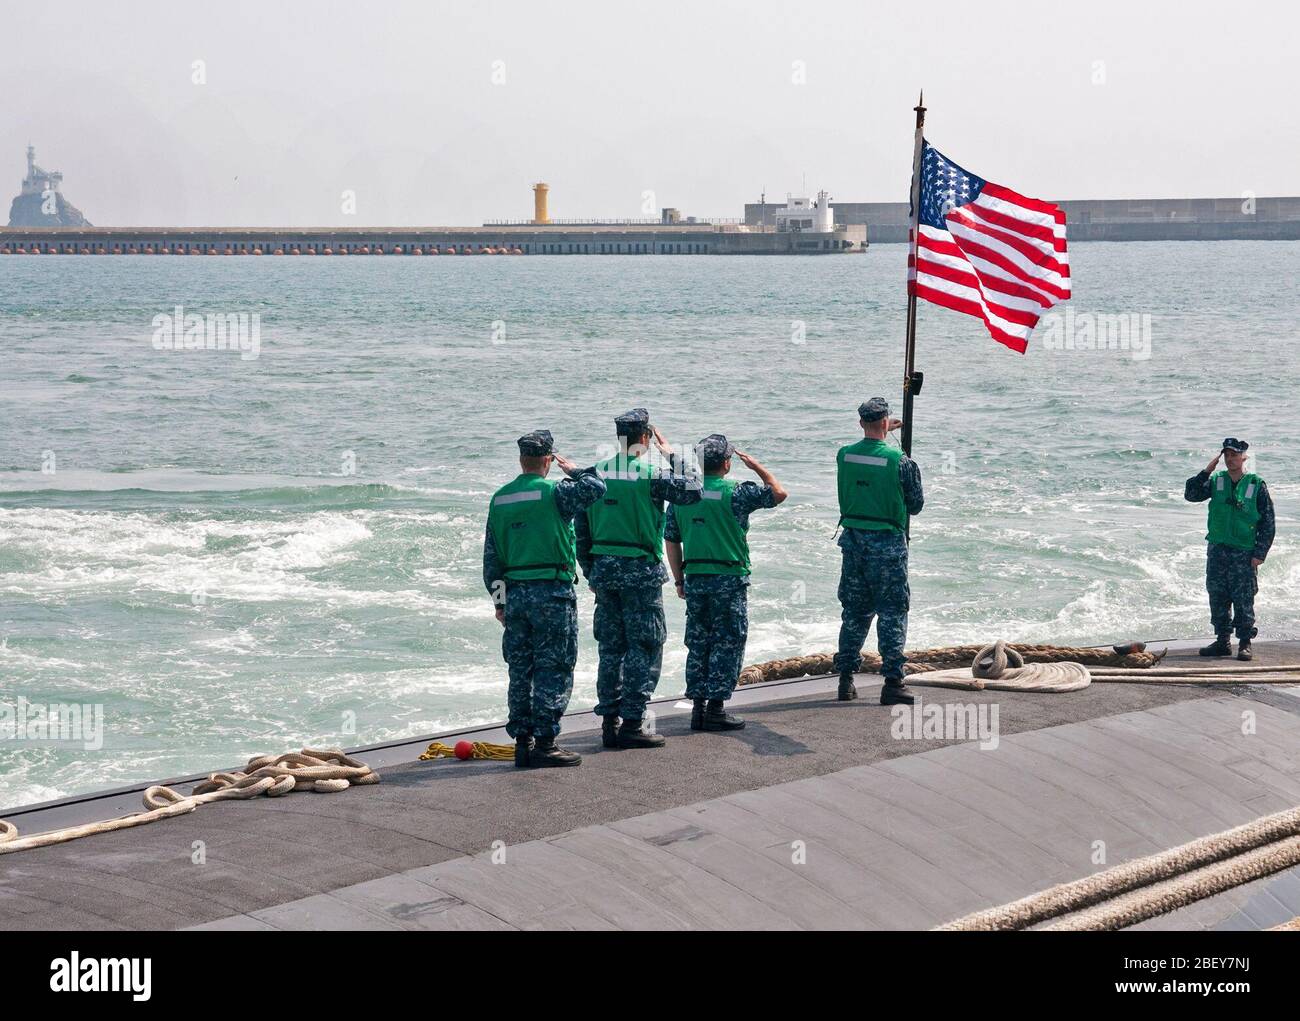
<point>696,102</point>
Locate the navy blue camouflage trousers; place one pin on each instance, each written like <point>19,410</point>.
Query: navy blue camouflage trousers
<point>540,646</point>
<point>717,624</point>
<point>1232,583</point>
<point>873,583</point>
<point>630,631</point>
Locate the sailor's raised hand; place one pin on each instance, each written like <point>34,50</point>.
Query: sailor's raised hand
<point>566,466</point>
<point>661,442</point>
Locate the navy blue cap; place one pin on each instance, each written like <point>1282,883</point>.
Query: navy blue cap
<point>714,449</point>
<point>632,423</point>
<point>1232,443</point>
<point>873,410</point>
<point>537,443</point>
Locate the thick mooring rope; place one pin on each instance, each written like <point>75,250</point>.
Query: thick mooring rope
<point>1003,666</point>
<point>1150,886</point>
<point>924,660</point>
<point>325,770</point>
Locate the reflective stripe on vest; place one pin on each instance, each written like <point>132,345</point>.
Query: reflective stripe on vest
<point>870,491</point>
<point>532,540</point>
<point>712,540</point>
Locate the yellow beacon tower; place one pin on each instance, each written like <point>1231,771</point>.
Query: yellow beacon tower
<point>540,190</point>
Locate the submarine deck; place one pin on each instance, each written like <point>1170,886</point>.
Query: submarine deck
<point>813,816</point>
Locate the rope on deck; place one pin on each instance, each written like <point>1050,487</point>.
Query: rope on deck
<point>925,660</point>
<point>468,750</point>
<point>1159,883</point>
<point>1007,667</point>
<point>325,770</point>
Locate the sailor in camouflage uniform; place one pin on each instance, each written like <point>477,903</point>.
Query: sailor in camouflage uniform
<point>709,555</point>
<point>620,549</point>
<point>529,568</point>
<point>879,486</point>
<point>1241,529</point>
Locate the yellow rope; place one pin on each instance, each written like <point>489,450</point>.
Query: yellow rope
<point>480,750</point>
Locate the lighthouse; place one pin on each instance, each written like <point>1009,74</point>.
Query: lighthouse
<point>540,190</point>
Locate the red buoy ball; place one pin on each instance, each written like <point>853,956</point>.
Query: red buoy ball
<point>464,749</point>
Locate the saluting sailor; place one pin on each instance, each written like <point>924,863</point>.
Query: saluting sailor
<point>529,568</point>
<point>621,552</point>
<point>1241,528</point>
<point>879,486</point>
<point>708,552</point>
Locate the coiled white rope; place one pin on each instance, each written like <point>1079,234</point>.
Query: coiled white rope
<point>324,770</point>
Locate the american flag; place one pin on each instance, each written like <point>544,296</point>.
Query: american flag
<point>984,250</point>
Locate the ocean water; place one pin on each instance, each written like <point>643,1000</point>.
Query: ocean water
<point>237,555</point>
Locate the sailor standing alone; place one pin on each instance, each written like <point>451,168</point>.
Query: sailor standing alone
<point>879,486</point>
<point>1241,531</point>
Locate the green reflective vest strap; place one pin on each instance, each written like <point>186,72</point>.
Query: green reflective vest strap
<point>626,522</point>
<point>712,540</point>
<point>1234,510</point>
<point>533,542</point>
<point>871,495</point>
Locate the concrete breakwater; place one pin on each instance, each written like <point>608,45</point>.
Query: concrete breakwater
<point>1246,218</point>
<point>703,239</point>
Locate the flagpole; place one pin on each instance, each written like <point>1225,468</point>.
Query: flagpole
<point>911,378</point>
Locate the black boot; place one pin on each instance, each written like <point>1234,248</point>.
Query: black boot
<point>523,745</point>
<point>630,735</point>
<point>1243,651</point>
<point>697,714</point>
<point>1221,646</point>
<point>609,732</point>
<point>716,717</point>
<point>547,753</point>
<point>895,692</point>
<point>848,692</point>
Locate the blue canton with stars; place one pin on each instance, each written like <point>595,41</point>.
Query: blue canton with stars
<point>944,186</point>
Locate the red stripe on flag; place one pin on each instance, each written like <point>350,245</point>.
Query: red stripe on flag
<point>972,308</point>
<point>989,282</point>
<point>1003,263</point>
<point>971,280</point>
<point>1029,229</point>
<point>1031,252</point>
<point>1037,205</point>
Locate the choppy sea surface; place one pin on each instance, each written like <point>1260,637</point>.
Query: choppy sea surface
<point>236,555</point>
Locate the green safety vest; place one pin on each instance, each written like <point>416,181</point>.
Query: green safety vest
<point>533,541</point>
<point>626,522</point>
<point>1234,512</point>
<point>871,495</point>
<point>712,540</point>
